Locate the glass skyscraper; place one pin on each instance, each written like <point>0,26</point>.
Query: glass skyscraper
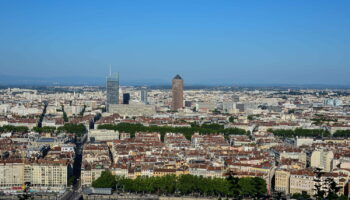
<point>112,89</point>
<point>144,95</point>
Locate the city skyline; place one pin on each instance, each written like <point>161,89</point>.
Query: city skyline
<point>218,43</point>
<point>184,99</point>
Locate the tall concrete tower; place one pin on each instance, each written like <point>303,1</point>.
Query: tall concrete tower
<point>178,93</point>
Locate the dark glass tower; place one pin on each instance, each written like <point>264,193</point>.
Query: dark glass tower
<point>126,98</point>
<point>113,89</point>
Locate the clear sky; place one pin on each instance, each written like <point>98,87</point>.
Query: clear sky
<point>206,42</point>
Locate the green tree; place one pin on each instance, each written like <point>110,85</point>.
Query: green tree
<point>301,196</point>
<point>106,180</point>
<point>65,117</point>
<point>77,129</point>
<point>234,187</point>
<point>231,119</point>
<point>14,129</point>
<point>319,193</point>
<point>186,131</point>
<point>71,180</point>
<point>333,189</point>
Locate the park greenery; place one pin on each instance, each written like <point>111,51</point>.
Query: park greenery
<point>185,185</point>
<point>342,133</point>
<point>13,129</point>
<point>106,180</point>
<point>186,131</point>
<point>77,129</point>
<point>300,132</point>
<point>45,129</point>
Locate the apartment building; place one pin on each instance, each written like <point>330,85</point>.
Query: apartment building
<point>282,178</point>
<point>322,159</point>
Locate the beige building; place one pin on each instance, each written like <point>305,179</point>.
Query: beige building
<point>11,174</point>
<point>102,135</point>
<point>89,175</point>
<point>322,159</point>
<point>301,181</point>
<point>132,109</point>
<point>43,175</point>
<point>282,178</point>
<point>47,175</point>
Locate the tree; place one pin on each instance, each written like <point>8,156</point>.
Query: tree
<point>14,129</point>
<point>231,119</point>
<point>186,131</point>
<point>234,187</point>
<point>71,180</point>
<point>45,129</point>
<point>250,117</point>
<point>301,196</point>
<point>78,129</point>
<point>252,187</point>
<point>106,180</point>
<point>65,117</point>
<point>319,193</point>
<point>333,188</point>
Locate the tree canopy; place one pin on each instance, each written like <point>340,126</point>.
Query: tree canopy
<point>186,131</point>
<point>14,129</point>
<point>78,129</point>
<point>194,185</point>
<point>45,129</point>
<point>300,132</point>
<point>106,180</point>
<point>342,133</point>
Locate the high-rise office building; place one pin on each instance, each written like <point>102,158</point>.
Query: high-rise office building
<point>126,98</point>
<point>112,89</point>
<point>144,95</point>
<point>177,91</point>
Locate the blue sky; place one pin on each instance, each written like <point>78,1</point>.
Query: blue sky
<point>207,42</point>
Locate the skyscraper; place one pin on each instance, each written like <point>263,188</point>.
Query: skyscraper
<point>144,95</point>
<point>112,89</point>
<point>177,90</point>
<point>126,98</point>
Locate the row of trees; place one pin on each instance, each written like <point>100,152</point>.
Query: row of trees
<point>300,132</point>
<point>45,129</point>
<point>77,129</point>
<point>14,129</point>
<point>186,131</point>
<point>185,185</point>
<point>342,133</point>
<point>308,133</point>
<point>42,114</point>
